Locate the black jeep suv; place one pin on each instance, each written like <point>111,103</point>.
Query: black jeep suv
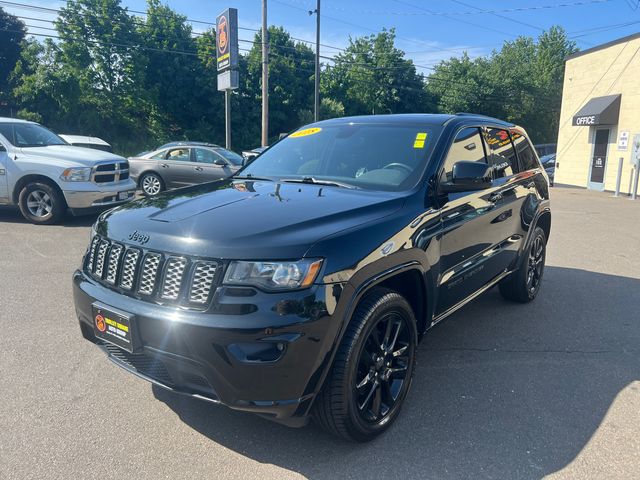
<point>300,287</point>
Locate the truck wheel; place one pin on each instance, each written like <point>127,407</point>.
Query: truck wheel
<point>42,204</point>
<point>372,371</point>
<point>151,184</point>
<point>524,284</point>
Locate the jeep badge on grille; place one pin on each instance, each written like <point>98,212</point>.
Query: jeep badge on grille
<point>139,237</point>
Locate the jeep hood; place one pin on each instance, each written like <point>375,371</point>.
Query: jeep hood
<point>67,156</point>
<point>244,219</point>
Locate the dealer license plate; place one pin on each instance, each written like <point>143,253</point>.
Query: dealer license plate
<point>114,327</point>
<point>123,195</point>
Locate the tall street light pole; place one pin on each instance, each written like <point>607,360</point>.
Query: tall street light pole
<point>316,109</point>
<point>265,76</point>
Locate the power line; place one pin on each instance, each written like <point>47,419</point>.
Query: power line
<point>474,12</point>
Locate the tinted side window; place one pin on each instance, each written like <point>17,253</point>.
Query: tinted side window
<point>467,146</point>
<point>6,130</point>
<point>502,155</point>
<point>179,154</point>
<point>525,151</point>
<point>160,155</point>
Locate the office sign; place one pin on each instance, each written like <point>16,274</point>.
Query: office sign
<point>227,40</point>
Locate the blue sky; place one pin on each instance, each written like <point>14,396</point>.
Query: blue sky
<point>428,31</point>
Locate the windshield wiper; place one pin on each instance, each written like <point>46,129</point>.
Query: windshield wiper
<point>250,176</point>
<point>315,181</point>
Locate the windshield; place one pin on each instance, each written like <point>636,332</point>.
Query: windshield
<point>29,135</point>
<point>371,156</point>
<point>232,157</point>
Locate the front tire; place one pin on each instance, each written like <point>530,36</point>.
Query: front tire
<point>372,371</point>
<point>41,204</point>
<point>524,284</point>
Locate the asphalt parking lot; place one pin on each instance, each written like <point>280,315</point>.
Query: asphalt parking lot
<point>501,390</point>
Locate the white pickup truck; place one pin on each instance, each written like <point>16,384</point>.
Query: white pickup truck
<point>45,176</point>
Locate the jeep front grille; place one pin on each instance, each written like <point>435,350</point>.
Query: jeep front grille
<point>152,276</point>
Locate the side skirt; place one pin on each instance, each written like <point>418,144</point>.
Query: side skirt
<point>471,297</point>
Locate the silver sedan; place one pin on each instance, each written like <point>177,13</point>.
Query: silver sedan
<point>182,165</point>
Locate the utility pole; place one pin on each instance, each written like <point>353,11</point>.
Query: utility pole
<point>265,76</point>
<point>316,108</point>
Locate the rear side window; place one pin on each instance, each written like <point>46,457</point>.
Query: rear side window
<point>179,155</point>
<point>467,146</point>
<point>526,154</point>
<point>502,156</point>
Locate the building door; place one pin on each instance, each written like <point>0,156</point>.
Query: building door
<point>599,159</point>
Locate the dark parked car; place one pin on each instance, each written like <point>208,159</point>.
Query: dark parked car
<point>549,164</point>
<point>301,286</point>
<point>182,164</point>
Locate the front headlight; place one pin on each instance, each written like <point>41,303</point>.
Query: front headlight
<point>273,275</point>
<point>79,174</point>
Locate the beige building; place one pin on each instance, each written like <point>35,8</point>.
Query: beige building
<point>600,116</point>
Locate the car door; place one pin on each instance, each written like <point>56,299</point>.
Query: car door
<point>475,239</point>
<point>178,167</point>
<point>209,166</point>
<point>4,168</point>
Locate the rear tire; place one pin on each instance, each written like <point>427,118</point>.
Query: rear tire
<point>372,371</point>
<point>151,184</point>
<point>41,203</point>
<point>524,284</point>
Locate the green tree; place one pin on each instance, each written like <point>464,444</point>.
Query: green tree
<point>12,33</point>
<point>521,83</point>
<point>103,67</point>
<point>372,76</point>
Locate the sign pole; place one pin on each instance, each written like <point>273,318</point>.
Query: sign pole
<point>316,110</point>
<point>265,76</point>
<point>227,118</point>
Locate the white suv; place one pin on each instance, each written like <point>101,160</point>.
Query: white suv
<point>45,176</point>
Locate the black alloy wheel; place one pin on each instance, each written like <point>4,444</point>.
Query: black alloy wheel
<point>382,368</point>
<point>372,370</point>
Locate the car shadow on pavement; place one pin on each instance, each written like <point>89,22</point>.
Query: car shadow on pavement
<point>12,215</point>
<point>501,390</point>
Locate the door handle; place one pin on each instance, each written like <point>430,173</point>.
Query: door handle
<point>164,165</point>
<point>199,169</point>
<point>531,185</point>
<point>495,197</point>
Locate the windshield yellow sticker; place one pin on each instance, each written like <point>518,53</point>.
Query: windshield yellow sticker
<point>420,139</point>
<point>305,132</point>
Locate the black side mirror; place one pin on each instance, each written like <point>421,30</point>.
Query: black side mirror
<point>468,176</point>
<point>220,162</point>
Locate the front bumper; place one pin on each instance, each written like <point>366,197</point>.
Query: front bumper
<point>92,197</point>
<point>267,358</point>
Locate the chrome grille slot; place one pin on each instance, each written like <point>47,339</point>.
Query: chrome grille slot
<point>101,256</point>
<point>92,253</point>
<point>149,273</point>
<point>173,273</point>
<point>202,281</point>
<point>129,268</point>
<point>114,261</point>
